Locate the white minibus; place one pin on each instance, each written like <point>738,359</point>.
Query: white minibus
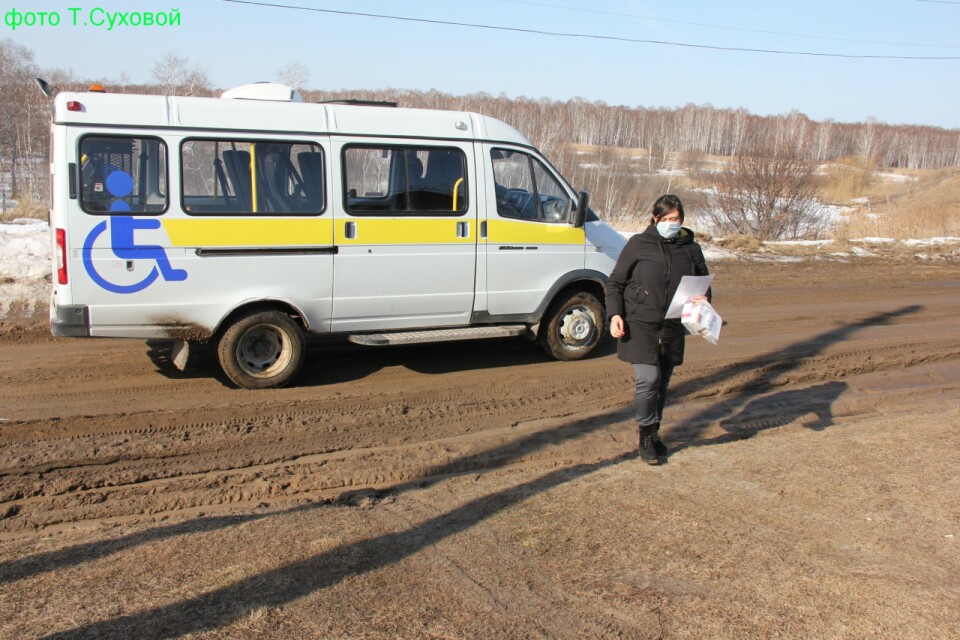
<point>255,218</point>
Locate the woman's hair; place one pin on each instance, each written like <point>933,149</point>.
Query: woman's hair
<point>666,204</point>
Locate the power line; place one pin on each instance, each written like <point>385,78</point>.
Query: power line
<point>940,1</point>
<point>729,28</point>
<point>591,36</point>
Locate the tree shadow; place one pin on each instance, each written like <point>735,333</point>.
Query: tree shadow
<point>748,410</point>
<point>299,579</point>
<point>484,461</point>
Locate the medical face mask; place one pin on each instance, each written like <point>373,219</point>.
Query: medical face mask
<point>668,229</point>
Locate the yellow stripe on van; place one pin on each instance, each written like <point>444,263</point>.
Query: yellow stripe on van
<point>250,232</point>
<point>406,231</point>
<point>515,232</point>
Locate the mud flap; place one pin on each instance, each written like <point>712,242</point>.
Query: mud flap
<point>179,354</point>
<point>532,332</point>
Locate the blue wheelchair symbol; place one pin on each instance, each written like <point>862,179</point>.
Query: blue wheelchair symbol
<point>120,184</point>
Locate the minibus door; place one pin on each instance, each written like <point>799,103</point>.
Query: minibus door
<point>406,234</point>
<point>531,239</point>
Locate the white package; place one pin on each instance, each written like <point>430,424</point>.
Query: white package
<point>701,319</point>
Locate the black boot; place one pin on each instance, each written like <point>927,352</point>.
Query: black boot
<point>647,452</point>
<point>658,446</point>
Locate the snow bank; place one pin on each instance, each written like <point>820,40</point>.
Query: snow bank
<point>24,266</point>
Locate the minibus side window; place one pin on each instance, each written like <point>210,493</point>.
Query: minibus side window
<point>255,177</point>
<point>405,181</point>
<point>526,190</point>
<point>123,175</point>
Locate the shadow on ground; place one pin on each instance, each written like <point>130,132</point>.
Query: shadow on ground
<point>750,408</point>
<point>295,580</point>
<point>334,360</point>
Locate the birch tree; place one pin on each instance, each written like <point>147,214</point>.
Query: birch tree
<point>178,77</point>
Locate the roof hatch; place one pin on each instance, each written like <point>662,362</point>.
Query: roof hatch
<point>263,91</point>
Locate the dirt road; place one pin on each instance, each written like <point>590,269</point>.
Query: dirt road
<point>479,490</point>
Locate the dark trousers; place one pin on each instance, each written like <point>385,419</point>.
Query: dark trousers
<point>652,381</point>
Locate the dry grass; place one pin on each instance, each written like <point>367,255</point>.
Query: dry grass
<point>928,207</point>
<point>846,179</point>
<point>739,243</point>
<point>26,209</point>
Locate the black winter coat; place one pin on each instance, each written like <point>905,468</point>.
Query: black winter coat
<point>641,287</point>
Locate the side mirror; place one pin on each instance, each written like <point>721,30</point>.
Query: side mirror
<point>583,205</point>
<point>45,88</point>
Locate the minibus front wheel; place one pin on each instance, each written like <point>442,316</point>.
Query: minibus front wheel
<point>262,350</point>
<point>572,326</point>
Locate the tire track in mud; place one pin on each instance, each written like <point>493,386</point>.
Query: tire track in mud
<point>70,464</point>
<point>287,458</point>
<point>324,474</point>
<point>192,446</point>
<point>329,417</point>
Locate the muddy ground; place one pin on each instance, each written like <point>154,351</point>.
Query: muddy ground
<point>479,490</point>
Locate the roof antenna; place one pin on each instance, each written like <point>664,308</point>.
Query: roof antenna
<point>47,90</point>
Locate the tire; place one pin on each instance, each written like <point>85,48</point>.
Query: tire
<point>573,326</point>
<point>263,350</point>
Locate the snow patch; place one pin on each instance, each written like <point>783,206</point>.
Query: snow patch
<point>25,250</point>
<point>895,177</point>
<point>872,240</point>
<point>717,254</point>
<point>796,243</point>
<point>25,265</point>
<point>932,241</point>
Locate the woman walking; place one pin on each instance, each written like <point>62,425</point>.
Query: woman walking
<point>640,288</point>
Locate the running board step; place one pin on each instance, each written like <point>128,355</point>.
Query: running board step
<point>437,335</point>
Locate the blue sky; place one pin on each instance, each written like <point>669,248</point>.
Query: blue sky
<point>239,43</point>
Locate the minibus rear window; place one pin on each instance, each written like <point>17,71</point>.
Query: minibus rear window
<point>123,175</point>
<point>405,181</point>
<point>252,177</point>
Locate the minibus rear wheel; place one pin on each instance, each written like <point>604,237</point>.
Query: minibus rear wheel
<point>262,350</point>
<point>572,326</point>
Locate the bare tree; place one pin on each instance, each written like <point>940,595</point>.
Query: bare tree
<point>24,119</point>
<point>123,81</point>
<point>178,77</point>
<point>866,139</point>
<point>769,193</point>
<point>295,74</point>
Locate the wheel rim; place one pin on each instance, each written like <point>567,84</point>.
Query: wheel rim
<point>263,351</point>
<point>577,328</point>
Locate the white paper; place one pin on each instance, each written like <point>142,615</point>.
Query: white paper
<point>690,286</point>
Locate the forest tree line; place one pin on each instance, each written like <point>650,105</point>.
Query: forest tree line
<point>653,138</point>
<point>705,129</point>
